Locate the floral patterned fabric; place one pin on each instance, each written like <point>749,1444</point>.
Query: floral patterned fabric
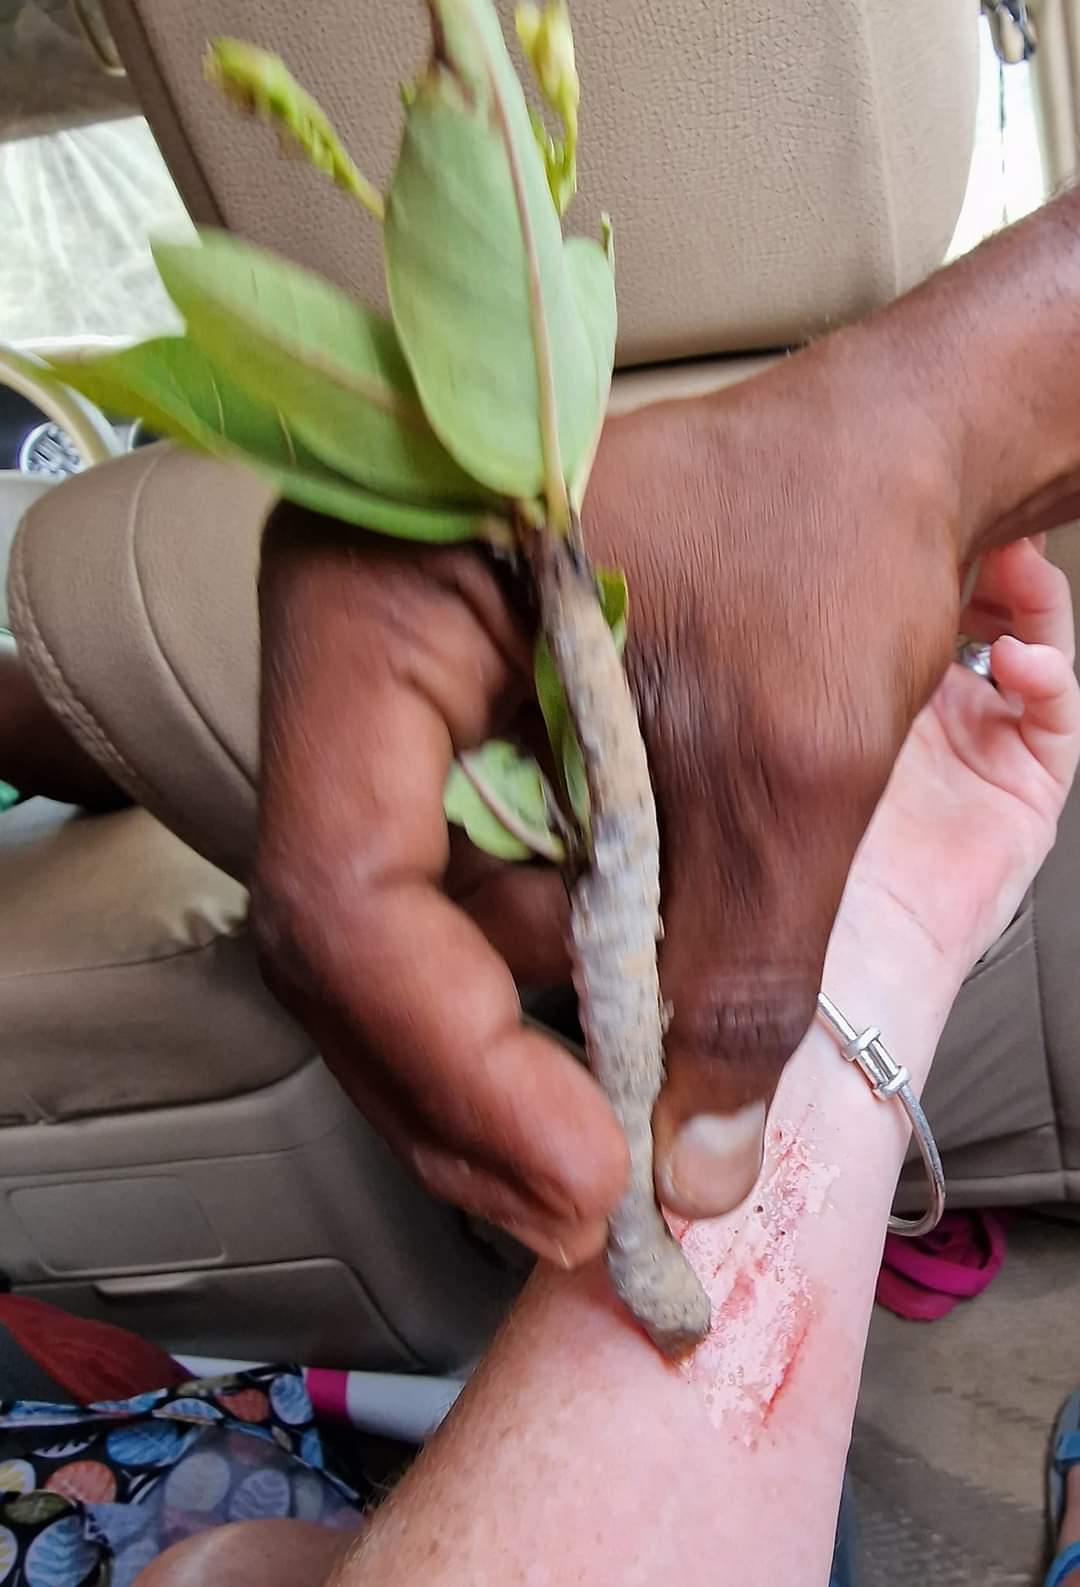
<point>89,1495</point>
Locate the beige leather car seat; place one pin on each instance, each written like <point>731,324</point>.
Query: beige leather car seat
<point>172,1152</point>
<point>771,169</point>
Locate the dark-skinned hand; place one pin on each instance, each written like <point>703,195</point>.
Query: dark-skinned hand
<point>794,548</point>
<point>769,739</point>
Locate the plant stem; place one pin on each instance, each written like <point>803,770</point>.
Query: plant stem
<point>615,925</point>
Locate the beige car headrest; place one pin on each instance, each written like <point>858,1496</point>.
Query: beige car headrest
<point>772,167</point>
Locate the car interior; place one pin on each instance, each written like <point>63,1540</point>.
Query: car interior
<point>175,1157</point>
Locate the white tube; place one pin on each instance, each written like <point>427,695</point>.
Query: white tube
<point>401,1405</point>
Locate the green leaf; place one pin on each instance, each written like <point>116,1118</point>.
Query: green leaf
<point>576,779</point>
<point>262,84</point>
<point>592,274</point>
<point>560,730</point>
<point>332,366</point>
<point>614,601</point>
<point>31,1509</point>
<point>477,272</point>
<point>501,797</point>
<point>172,385</point>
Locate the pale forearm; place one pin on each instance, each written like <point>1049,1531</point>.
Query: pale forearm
<point>579,1453</point>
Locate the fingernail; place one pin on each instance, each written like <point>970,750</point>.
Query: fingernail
<point>714,1161</point>
<point>546,1246</point>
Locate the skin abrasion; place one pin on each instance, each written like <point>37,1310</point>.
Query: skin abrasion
<point>763,1304</point>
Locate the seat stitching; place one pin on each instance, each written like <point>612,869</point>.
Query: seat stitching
<point>63,699</point>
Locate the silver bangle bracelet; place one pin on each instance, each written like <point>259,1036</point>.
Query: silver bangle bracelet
<point>889,1080</point>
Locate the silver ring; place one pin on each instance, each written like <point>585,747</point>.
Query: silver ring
<point>976,658</point>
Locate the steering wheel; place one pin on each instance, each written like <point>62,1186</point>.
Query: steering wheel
<point>87,428</point>
<point>90,432</point>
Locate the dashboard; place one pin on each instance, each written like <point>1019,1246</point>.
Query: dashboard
<point>31,444</point>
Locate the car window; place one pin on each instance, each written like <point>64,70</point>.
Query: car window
<point>80,205</point>
<point>1007,179</point>
<point>82,184</point>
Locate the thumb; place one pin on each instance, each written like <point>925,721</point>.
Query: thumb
<point>726,1051</point>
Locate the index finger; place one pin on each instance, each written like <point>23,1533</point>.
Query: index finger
<point>1019,592</point>
<point>1041,678</point>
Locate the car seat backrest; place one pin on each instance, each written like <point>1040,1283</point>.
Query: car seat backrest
<point>771,166</point>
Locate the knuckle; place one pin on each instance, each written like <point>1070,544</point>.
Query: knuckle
<point>754,1023</point>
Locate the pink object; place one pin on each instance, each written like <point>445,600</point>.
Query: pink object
<point>329,1392</point>
<point>404,1405</point>
<point>924,1279</point>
